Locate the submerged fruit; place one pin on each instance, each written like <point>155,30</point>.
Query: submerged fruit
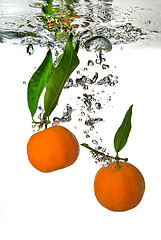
<point>119,188</point>
<point>52,149</point>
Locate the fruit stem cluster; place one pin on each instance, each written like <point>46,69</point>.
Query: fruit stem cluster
<point>43,121</point>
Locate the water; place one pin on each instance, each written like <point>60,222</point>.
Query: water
<point>119,65</point>
<point>43,22</point>
<point>103,28</point>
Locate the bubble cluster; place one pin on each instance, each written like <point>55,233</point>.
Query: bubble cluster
<point>87,78</point>
<point>100,155</point>
<point>67,116</point>
<point>96,80</point>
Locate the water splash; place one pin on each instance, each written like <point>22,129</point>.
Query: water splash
<point>97,24</point>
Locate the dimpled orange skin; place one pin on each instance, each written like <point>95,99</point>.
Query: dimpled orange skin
<point>119,189</point>
<point>52,149</point>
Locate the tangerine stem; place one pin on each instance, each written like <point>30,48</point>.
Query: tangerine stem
<point>117,158</point>
<point>41,123</point>
<point>117,161</point>
<point>94,150</point>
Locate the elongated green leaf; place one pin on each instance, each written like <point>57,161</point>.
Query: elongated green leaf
<point>59,75</point>
<point>38,82</point>
<point>122,133</point>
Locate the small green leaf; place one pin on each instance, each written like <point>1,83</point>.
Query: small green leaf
<point>122,133</point>
<point>38,82</point>
<point>59,75</point>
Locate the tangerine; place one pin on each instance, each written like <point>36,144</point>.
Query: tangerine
<point>52,149</point>
<point>119,188</point>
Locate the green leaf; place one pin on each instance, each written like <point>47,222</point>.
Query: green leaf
<point>59,75</point>
<point>122,133</point>
<point>38,82</point>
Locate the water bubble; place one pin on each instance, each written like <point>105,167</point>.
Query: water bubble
<point>92,121</point>
<point>39,107</point>
<point>67,114</point>
<point>98,120</point>
<point>69,108</point>
<point>89,81</point>
<point>87,136</point>
<point>89,122</point>
<point>103,150</point>
<point>98,148</point>
<point>89,97</point>
<point>91,128</point>
<point>101,82</point>
<point>30,49</point>
<point>100,58</point>
<point>69,83</point>
<point>98,105</point>
<point>104,165</point>
<point>86,131</point>
<point>98,43</point>
<point>56,120</point>
<point>85,69</point>
<point>94,142</point>
<point>90,63</point>
<point>109,99</point>
<point>105,66</point>
<point>81,81</point>
<point>94,79</point>
<point>85,87</point>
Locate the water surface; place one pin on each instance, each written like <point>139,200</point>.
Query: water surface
<point>44,22</point>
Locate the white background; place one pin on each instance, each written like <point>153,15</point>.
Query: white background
<point>61,205</point>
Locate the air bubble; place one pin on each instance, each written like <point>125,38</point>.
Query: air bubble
<point>94,79</point>
<point>90,63</point>
<point>30,49</point>
<point>105,66</point>
<point>39,107</point>
<point>98,105</point>
<point>98,43</point>
<point>85,87</point>
<point>87,136</point>
<point>103,150</point>
<point>92,121</point>
<point>109,99</point>
<point>91,128</point>
<point>69,83</point>
<point>56,120</point>
<point>94,142</point>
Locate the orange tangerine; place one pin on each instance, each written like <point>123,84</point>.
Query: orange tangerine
<point>119,189</point>
<point>52,149</point>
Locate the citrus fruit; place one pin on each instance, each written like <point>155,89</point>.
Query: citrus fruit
<point>119,188</point>
<point>52,149</point>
